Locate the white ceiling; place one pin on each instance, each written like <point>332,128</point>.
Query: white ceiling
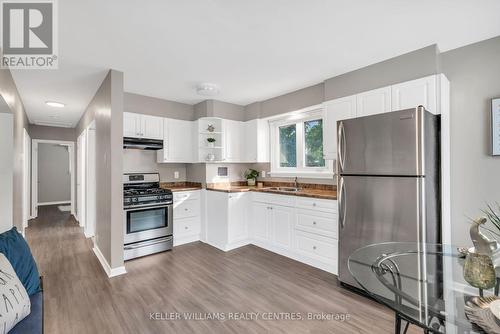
<point>253,50</point>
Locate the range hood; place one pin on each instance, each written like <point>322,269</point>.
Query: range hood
<point>142,143</point>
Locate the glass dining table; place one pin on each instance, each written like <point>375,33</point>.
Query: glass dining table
<point>422,283</point>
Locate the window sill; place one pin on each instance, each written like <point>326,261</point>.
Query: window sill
<point>308,175</point>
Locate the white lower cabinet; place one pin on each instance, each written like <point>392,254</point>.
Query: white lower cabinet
<point>304,229</point>
<point>226,221</point>
<point>187,219</point>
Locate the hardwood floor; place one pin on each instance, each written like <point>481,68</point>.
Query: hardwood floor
<point>79,298</point>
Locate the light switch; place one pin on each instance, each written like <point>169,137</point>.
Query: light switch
<point>176,175</point>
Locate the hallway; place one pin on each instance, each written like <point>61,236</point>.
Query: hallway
<point>79,298</point>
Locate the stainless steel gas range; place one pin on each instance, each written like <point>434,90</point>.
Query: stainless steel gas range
<point>148,215</point>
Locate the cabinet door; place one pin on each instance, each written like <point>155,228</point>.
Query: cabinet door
<point>282,225</point>
<point>237,223</point>
<point>335,110</point>
<point>260,223</point>
<point>132,125</point>
<point>250,152</point>
<point>152,127</point>
<point>233,143</point>
<point>373,102</point>
<point>179,140</point>
<point>413,93</point>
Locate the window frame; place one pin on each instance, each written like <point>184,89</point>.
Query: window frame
<point>298,118</point>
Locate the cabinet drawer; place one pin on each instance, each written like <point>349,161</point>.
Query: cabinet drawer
<point>186,209</point>
<point>318,247</point>
<point>276,199</point>
<point>186,226</point>
<point>317,204</point>
<point>186,195</point>
<point>317,222</point>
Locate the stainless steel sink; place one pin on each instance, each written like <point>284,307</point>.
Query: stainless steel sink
<point>289,189</point>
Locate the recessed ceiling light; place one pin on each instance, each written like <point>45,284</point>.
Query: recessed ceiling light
<point>207,89</point>
<point>55,104</point>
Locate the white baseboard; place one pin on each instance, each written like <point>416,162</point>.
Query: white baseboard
<point>186,239</point>
<point>53,203</point>
<point>87,235</point>
<point>111,272</point>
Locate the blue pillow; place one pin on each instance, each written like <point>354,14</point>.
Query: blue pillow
<point>17,251</point>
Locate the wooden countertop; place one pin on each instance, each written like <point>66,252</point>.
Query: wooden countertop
<point>181,186</point>
<point>306,192</point>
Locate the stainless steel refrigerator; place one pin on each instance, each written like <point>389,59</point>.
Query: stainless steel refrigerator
<point>388,183</point>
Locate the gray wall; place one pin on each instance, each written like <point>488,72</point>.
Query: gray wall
<point>215,108</point>
<point>8,91</point>
<point>406,67</point>
<point>474,74</point>
<point>106,108</point>
<point>141,104</point>
<point>52,133</point>
<point>145,161</point>
<point>54,181</point>
<point>6,168</point>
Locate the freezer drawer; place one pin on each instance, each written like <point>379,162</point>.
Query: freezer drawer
<point>384,144</point>
<point>375,210</point>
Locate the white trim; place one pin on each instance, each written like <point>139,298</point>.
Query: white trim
<point>111,272</point>
<point>307,175</point>
<point>34,172</point>
<point>444,94</point>
<point>53,203</point>
<point>186,239</point>
<point>297,118</point>
<point>26,179</point>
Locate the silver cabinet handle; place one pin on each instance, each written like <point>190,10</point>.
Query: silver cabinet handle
<point>314,204</point>
<point>314,223</point>
<point>185,227</point>
<point>314,247</point>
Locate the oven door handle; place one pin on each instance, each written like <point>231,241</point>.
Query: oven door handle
<point>149,243</point>
<point>148,207</point>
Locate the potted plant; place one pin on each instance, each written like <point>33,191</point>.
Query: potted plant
<point>211,142</point>
<point>251,176</point>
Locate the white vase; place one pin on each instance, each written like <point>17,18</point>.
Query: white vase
<point>251,182</point>
<point>211,145</point>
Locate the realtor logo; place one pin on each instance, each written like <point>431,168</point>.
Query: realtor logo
<point>29,34</point>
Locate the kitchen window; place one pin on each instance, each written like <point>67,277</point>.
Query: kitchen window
<point>297,146</point>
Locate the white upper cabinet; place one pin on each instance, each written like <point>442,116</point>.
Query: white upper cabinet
<point>373,102</point>
<point>234,132</point>
<point>132,125</point>
<point>142,126</point>
<point>256,141</point>
<point>413,93</point>
<point>152,127</point>
<point>335,110</point>
<point>178,141</point>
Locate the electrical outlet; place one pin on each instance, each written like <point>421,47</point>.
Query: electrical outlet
<point>176,175</point>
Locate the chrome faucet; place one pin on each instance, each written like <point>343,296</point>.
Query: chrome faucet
<point>296,183</point>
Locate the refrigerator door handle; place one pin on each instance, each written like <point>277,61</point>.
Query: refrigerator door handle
<point>341,146</point>
<point>342,204</point>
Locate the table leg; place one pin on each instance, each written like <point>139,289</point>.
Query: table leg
<point>397,324</point>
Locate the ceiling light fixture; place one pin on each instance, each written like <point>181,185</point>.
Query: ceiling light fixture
<point>207,89</point>
<point>55,104</point>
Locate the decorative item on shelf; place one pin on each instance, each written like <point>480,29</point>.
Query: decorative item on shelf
<point>211,142</point>
<point>211,128</point>
<point>479,270</point>
<point>210,157</point>
<point>251,176</point>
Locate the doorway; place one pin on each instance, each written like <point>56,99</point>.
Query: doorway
<point>52,165</point>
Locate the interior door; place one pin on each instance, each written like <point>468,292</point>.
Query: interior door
<point>81,182</point>
<point>385,144</point>
<point>91,184</point>
<point>26,178</point>
<point>375,210</point>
